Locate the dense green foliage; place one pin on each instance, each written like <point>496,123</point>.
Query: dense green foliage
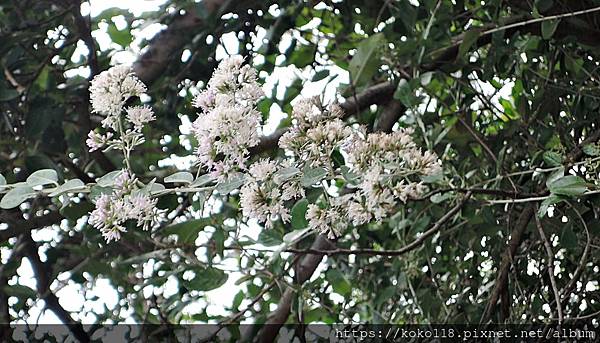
<point>505,92</point>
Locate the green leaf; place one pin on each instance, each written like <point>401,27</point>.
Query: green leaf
<point>320,75</point>
<point>469,39</point>
<point>202,180</point>
<point>74,211</point>
<point>568,185</point>
<point>365,62</point>
<point>69,186</point>
<point>438,198</point>
<point>156,254</point>
<point>121,37</point>
<point>285,174</point>
<point>552,158</point>
<point>549,27</point>
<point>543,5</point>
<point>425,78</point>
<point>109,179</point>
<point>560,172</point>
<point>234,182</point>
<point>551,200</point>
<point>42,177</point>
<point>20,291</point>
<point>270,237</point>
<point>312,176</point>
<point>180,177</point>
<point>568,238</point>
<point>292,237</point>
<point>299,214</point>
<point>404,93</point>
<point>187,231</point>
<point>2,180</point>
<point>591,150</point>
<point>16,196</point>
<point>349,176</point>
<point>338,281</point>
<point>207,279</point>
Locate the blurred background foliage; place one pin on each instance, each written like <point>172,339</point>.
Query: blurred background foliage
<point>498,89</point>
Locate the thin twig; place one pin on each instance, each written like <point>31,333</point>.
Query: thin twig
<point>550,267</point>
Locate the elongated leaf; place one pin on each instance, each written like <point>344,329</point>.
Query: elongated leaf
<point>568,185</point>
<point>16,197</point>
<point>207,279</point>
<point>549,27</point>
<point>312,176</point>
<point>180,177</point>
<point>425,78</point>
<point>469,39</point>
<point>202,180</point>
<point>108,179</point>
<point>231,184</point>
<point>560,172</point>
<point>552,158</point>
<point>404,93</point>
<point>299,214</point>
<point>551,200</point>
<point>365,63</point>
<point>270,238</point>
<point>187,231</point>
<point>285,174</point>
<point>42,177</point>
<point>69,186</point>
<point>292,237</point>
<point>20,291</point>
<point>2,180</point>
<point>157,254</point>
<point>591,150</point>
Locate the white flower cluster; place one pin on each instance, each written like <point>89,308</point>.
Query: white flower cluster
<point>315,133</point>
<point>389,167</point>
<point>109,92</point>
<point>266,190</point>
<point>331,220</point>
<point>229,123</point>
<point>124,203</point>
<point>386,169</point>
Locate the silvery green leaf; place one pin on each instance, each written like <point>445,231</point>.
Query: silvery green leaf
<point>153,188</point>
<point>285,174</point>
<point>69,186</point>
<point>16,196</point>
<point>202,180</point>
<point>42,177</point>
<point>108,179</point>
<point>157,188</point>
<point>292,237</point>
<point>232,183</point>
<point>2,180</point>
<point>180,177</point>
<point>349,176</point>
<point>312,176</point>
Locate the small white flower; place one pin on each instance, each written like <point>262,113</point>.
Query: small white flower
<point>110,90</point>
<point>96,141</point>
<point>138,116</point>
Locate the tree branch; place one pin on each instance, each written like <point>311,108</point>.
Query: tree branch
<point>550,266</point>
<point>42,274</point>
<point>511,249</point>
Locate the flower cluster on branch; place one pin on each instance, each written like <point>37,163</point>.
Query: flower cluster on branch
<point>355,177</point>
